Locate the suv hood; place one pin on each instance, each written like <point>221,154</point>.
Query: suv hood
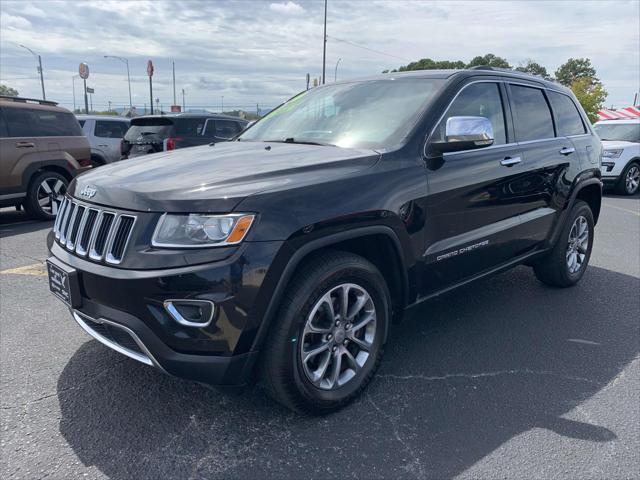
<point>612,144</point>
<point>215,178</point>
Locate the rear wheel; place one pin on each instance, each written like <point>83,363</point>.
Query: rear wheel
<point>45,194</point>
<point>327,340</point>
<point>630,179</point>
<point>568,260</point>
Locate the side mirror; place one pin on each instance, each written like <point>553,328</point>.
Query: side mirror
<point>465,133</point>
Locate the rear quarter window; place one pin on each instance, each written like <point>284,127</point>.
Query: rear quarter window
<point>110,129</point>
<point>189,127</point>
<point>532,115</point>
<point>26,122</point>
<point>567,115</point>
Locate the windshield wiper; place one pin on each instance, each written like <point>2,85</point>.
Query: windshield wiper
<point>300,142</point>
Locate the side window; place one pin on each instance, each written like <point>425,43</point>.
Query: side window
<point>54,124</point>
<point>189,127</point>
<point>532,115</point>
<point>18,122</point>
<point>210,128</point>
<point>226,129</point>
<point>4,131</point>
<point>110,129</point>
<point>567,115</point>
<point>477,100</point>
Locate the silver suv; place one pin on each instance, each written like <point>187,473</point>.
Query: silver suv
<point>105,135</point>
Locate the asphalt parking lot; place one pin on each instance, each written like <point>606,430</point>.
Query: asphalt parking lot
<point>505,378</point>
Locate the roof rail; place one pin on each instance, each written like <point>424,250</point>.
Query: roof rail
<point>28,100</point>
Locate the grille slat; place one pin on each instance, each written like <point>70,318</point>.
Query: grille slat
<point>83,228</point>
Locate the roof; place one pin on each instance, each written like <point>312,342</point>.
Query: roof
<point>102,117</point>
<point>32,103</point>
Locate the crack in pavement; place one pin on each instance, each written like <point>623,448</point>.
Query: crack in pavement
<point>497,373</point>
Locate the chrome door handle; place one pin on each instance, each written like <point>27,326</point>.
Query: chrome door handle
<point>25,144</point>
<point>567,150</point>
<point>510,162</point>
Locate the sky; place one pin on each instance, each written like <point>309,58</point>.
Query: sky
<point>247,52</point>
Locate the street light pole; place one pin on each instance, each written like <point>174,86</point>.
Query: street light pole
<point>73,81</point>
<point>222,105</point>
<point>324,42</point>
<point>126,62</point>
<point>335,75</point>
<point>44,97</point>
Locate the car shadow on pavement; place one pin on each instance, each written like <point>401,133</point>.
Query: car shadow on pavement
<point>16,223</point>
<point>463,374</point>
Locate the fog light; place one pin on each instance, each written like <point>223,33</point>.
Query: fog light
<point>191,313</point>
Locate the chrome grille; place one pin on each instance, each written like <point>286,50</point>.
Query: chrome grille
<point>89,230</point>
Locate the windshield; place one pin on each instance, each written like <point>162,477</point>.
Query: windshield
<point>629,132</point>
<point>370,114</point>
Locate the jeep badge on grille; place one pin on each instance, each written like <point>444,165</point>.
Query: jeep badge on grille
<point>88,191</point>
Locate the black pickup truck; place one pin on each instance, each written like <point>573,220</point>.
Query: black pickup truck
<point>160,133</point>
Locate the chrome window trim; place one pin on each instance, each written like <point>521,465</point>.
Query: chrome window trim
<point>435,125</point>
<point>147,358</point>
<point>109,257</point>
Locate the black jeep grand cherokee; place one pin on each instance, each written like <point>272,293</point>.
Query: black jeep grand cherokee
<point>285,255</point>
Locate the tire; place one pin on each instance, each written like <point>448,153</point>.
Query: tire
<point>44,195</point>
<point>565,265</point>
<point>630,179</point>
<point>284,375</point>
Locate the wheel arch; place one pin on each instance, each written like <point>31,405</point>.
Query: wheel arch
<point>363,241</point>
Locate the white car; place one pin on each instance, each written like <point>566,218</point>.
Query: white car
<point>621,154</point>
<point>105,134</point>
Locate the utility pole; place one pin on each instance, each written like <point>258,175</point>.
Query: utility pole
<point>91,101</point>
<point>173,64</point>
<point>183,104</point>
<point>73,82</point>
<point>222,105</point>
<point>86,99</point>
<point>257,110</point>
<point>109,106</point>
<point>44,97</point>
<point>324,43</point>
<point>335,74</point>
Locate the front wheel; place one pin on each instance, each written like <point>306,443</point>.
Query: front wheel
<point>328,336</point>
<point>568,260</point>
<point>630,179</point>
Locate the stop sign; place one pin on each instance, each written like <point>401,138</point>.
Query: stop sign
<point>150,68</point>
<point>83,70</point>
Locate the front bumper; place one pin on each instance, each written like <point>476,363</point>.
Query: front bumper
<point>125,310</point>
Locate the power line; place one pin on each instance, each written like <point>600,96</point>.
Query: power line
<point>367,48</point>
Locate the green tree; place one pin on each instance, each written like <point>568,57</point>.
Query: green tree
<point>591,95</point>
<point>489,60</point>
<point>8,91</point>
<point>574,69</point>
<point>429,64</point>
<point>534,68</point>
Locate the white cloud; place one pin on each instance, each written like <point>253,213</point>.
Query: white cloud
<point>290,8</point>
<point>13,21</point>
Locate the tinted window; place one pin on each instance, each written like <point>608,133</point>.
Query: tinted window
<point>24,122</point>
<point>531,114</point>
<point>569,121</point>
<point>3,126</point>
<point>189,127</point>
<point>227,128</point>
<point>146,130</point>
<point>110,129</point>
<point>477,100</point>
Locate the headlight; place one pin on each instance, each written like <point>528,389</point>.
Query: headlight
<point>612,153</point>
<point>197,230</point>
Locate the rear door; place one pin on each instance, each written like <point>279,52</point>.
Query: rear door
<point>109,134</point>
<point>18,149</point>
<point>547,159</point>
<point>189,132</point>
<point>472,211</point>
<point>571,125</point>
<point>222,130</point>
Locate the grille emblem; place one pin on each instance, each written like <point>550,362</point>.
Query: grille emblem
<point>88,191</point>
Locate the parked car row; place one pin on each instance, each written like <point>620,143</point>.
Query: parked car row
<point>43,146</point>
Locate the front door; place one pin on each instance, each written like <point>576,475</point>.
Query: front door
<point>472,207</point>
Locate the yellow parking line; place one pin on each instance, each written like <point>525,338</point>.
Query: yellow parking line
<point>622,209</point>
<point>37,269</point>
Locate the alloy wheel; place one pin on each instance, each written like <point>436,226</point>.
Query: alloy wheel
<point>632,180</point>
<point>578,244</point>
<point>338,336</point>
<point>50,194</point>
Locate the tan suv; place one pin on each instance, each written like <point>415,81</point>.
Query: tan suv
<point>41,149</point>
